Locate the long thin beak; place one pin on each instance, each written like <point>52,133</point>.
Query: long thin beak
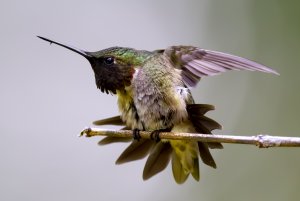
<point>74,49</point>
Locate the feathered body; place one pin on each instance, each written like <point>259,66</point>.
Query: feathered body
<point>157,95</point>
<point>157,99</point>
<point>153,95</point>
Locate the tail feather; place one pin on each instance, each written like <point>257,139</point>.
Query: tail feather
<point>158,159</point>
<point>184,154</point>
<point>214,145</point>
<point>205,155</point>
<point>109,140</point>
<point>199,109</point>
<point>180,175</point>
<point>205,125</point>
<point>196,172</point>
<point>135,151</point>
<point>116,120</point>
<point>196,114</point>
<point>202,123</point>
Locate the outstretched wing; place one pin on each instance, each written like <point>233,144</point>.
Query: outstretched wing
<point>196,63</point>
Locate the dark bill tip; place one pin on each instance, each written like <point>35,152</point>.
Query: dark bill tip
<point>74,49</point>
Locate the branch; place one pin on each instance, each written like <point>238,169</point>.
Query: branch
<point>262,141</point>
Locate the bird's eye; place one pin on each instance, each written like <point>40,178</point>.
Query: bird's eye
<point>109,60</point>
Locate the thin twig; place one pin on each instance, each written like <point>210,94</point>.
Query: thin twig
<point>262,141</point>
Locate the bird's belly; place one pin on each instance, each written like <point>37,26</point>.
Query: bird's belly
<point>150,113</point>
<point>156,114</point>
<point>129,113</point>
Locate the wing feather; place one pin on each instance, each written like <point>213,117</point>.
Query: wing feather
<point>196,63</point>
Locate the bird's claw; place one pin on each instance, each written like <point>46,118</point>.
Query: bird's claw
<point>155,135</point>
<point>136,134</point>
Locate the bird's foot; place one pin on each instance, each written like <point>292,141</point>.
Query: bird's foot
<point>136,134</point>
<point>155,134</point>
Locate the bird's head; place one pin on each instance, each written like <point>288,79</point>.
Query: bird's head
<point>113,67</point>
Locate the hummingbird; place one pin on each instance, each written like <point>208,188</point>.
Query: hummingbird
<point>153,92</point>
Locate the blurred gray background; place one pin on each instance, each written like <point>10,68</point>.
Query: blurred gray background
<point>48,96</point>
